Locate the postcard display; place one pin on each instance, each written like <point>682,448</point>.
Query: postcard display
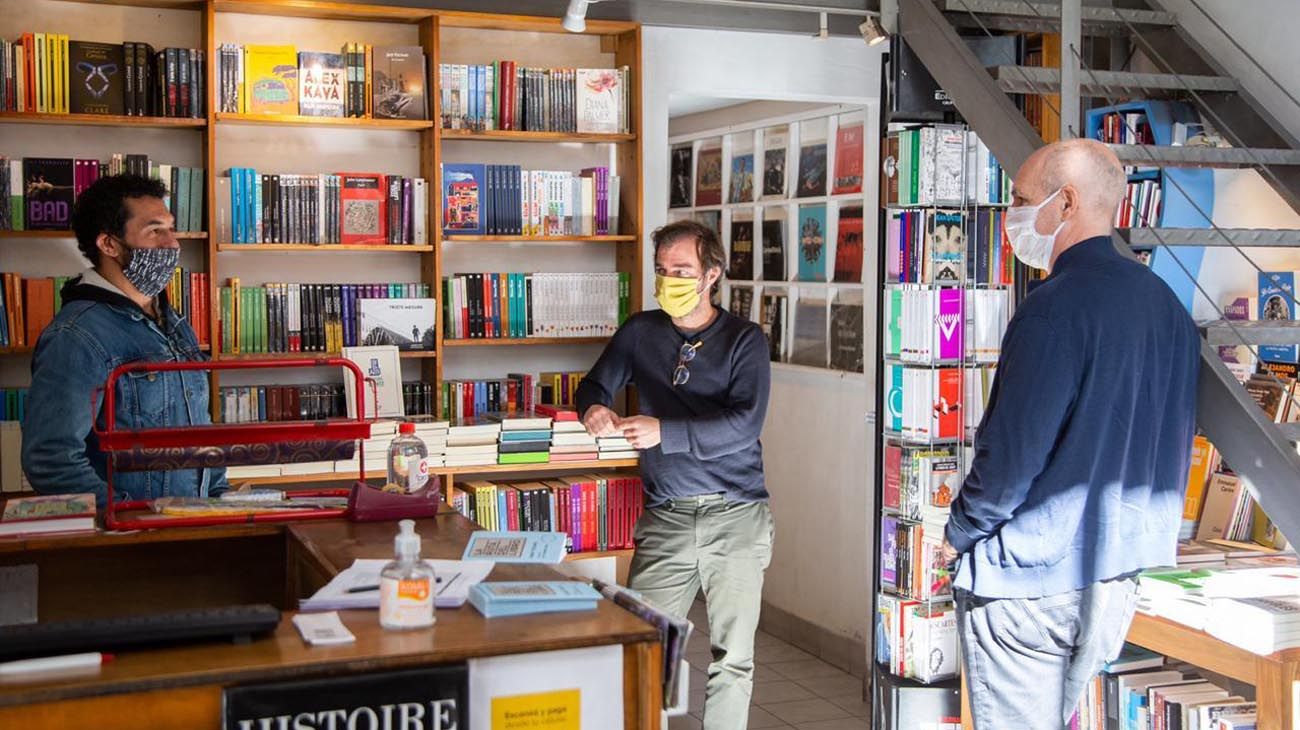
<point>786,198</point>
<point>946,300</point>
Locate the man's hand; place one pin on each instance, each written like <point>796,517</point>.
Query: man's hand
<point>601,421</point>
<point>641,431</point>
<point>949,553</point>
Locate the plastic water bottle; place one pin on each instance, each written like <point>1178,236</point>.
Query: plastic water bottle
<point>407,470</point>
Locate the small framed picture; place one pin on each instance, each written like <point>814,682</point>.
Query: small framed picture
<point>382,364</point>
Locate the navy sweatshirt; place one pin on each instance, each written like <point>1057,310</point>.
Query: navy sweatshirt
<point>1081,459</point>
<point>709,426</point>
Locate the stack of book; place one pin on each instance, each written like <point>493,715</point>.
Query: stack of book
<point>615,447</point>
<point>38,193</point>
<point>573,443</point>
<point>933,161</point>
<point>935,245</point>
<point>259,207</point>
<point>383,82</point>
<point>13,403</point>
<point>503,95</point>
<point>506,200</point>
<point>595,511</point>
<point>262,403</point>
<point>945,325</point>
<point>924,404</point>
<point>1141,204</point>
<point>525,438</point>
<point>470,398</point>
<point>285,317</point>
<point>48,73</point>
<point>916,640</point>
<point>472,442</point>
<point>496,306</point>
<point>49,514</point>
<point>520,598</point>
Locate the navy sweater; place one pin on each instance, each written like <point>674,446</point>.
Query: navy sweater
<point>1081,459</point>
<point>709,426</point>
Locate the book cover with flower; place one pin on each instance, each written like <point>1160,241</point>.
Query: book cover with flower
<point>599,101</point>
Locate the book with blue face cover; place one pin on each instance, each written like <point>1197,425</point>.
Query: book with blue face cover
<point>515,547</point>
<point>518,598</point>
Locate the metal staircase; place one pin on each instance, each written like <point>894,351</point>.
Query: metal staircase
<point>1259,450</point>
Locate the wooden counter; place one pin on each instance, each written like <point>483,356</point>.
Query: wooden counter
<point>181,686</point>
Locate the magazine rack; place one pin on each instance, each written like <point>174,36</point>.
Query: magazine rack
<point>217,445</point>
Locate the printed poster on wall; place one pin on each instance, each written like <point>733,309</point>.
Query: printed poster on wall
<point>575,689</point>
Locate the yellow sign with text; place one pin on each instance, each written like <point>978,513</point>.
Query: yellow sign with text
<point>558,710</point>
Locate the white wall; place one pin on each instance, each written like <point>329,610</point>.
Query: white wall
<point>817,447</point>
<point>1267,29</point>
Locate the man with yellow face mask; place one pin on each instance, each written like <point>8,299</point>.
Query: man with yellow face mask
<point>702,378</point>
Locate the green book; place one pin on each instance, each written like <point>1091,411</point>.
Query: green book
<point>602,509</point>
<point>194,221</point>
<point>182,198</point>
<point>527,457</point>
<point>59,281</point>
<point>261,318</point>
<point>16,194</point>
<point>225,319</point>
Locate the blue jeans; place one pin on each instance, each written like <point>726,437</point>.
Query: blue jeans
<point>1027,660</point>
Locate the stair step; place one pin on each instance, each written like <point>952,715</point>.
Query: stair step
<point>1166,156</point>
<point>1254,332</point>
<point>1244,237</point>
<point>1025,17</point>
<point>1107,84</point>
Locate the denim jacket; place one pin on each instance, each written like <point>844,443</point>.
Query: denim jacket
<point>97,329</point>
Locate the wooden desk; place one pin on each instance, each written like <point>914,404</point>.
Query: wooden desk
<point>181,687</point>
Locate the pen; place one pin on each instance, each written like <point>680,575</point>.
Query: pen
<point>367,589</point>
<point>54,663</point>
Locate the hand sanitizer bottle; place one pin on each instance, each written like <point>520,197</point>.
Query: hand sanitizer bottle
<point>406,585</point>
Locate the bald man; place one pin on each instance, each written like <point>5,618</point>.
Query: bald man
<point>1077,480</point>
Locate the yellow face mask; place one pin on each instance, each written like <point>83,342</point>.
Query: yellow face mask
<point>677,296</point>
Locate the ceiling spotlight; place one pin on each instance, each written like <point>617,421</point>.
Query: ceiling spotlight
<point>872,32</point>
<point>575,18</point>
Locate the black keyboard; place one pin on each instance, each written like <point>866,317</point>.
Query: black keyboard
<point>126,632</point>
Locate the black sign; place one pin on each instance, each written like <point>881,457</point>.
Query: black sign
<point>414,699</point>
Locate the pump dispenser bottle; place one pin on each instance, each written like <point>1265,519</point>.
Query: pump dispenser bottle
<point>406,585</point>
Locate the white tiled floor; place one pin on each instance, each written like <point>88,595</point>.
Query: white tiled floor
<point>792,689</point>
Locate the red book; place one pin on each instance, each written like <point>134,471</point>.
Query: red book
<point>946,415</point>
<point>848,160</point>
<point>363,209</point>
<point>545,409</point>
<point>40,306</point>
<point>512,396</point>
<point>512,508</point>
<point>576,523</point>
<point>893,477</point>
<point>848,245</point>
<point>48,514</point>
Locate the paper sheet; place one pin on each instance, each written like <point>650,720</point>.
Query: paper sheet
<point>455,577</point>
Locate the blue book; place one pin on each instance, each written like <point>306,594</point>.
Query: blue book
<point>515,547</point>
<point>1277,302</point>
<point>4,319</point>
<point>236,215</point>
<point>542,435</point>
<point>812,243</point>
<point>518,598</point>
<point>257,227</point>
<point>463,189</point>
<point>496,303</point>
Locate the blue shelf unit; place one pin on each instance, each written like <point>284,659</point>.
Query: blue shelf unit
<point>1187,194</point>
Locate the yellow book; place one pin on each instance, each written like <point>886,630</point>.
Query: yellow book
<point>65,87</point>
<point>41,69</point>
<point>368,71</point>
<point>235,314</point>
<point>271,79</point>
<point>56,74</point>
<point>1198,475</point>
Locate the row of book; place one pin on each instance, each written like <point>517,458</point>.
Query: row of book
<point>943,165</point>
<point>1141,204</point>
<point>39,192</point>
<point>595,511</point>
<point>13,403</point>
<point>804,334</point>
<point>505,305</point>
<point>930,404</point>
<point>285,317</point>
<point>262,403</point>
<point>948,247</point>
<point>920,481</point>
<point>371,454</point>
<point>1141,689</point>
<point>748,183</point>
<point>28,305</point>
<point>480,199</point>
<point>332,208</point>
<point>932,326</point>
<point>1218,505</point>
<point>383,82</point>
<point>12,477</point>
<point>503,95</point>
<point>916,640</point>
<point>814,237</point>
<point>48,73</point>
<point>1125,128</point>
<point>547,393</point>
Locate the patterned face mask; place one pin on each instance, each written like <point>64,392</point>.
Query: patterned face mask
<point>149,269</point>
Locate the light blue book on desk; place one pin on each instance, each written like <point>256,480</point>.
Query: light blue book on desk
<point>518,598</point>
<point>515,546</point>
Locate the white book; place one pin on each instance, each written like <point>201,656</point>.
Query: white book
<point>308,467</point>
<point>251,471</point>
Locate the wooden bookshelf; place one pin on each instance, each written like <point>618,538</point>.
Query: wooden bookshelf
<point>450,473</point>
<point>104,120</point>
<point>539,239</point>
<point>179,235</point>
<point>319,248</point>
<point>503,135</point>
<point>295,120</point>
<point>410,355</point>
<point>523,341</point>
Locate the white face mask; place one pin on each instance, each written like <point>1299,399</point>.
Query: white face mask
<point>1034,249</point>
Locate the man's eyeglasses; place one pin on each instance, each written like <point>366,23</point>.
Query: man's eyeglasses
<point>684,356</point>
